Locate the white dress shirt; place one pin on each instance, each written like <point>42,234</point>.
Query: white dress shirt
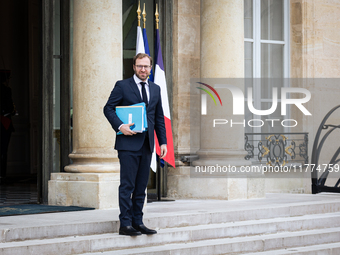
<point>147,88</point>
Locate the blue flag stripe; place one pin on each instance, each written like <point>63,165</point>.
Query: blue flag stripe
<point>158,51</point>
<point>147,51</point>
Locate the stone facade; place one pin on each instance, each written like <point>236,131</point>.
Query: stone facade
<point>314,43</point>
<point>209,57</point>
<point>197,53</point>
<point>93,178</point>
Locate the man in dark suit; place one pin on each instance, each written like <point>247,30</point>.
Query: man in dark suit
<point>135,149</point>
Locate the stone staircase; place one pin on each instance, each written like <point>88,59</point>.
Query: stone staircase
<point>279,224</point>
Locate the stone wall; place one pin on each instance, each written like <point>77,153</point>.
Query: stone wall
<point>199,53</point>
<point>186,65</point>
<point>315,53</point>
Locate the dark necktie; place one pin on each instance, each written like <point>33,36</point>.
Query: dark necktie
<point>145,98</point>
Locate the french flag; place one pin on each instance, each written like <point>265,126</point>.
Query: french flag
<point>159,79</point>
<point>139,41</point>
<point>151,78</point>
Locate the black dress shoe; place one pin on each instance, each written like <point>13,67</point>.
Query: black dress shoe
<point>145,230</point>
<point>129,231</point>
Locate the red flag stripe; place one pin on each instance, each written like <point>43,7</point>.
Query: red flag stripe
<point>170,156</point>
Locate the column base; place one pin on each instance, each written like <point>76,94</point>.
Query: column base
<point>97,190</point>
<point>182,186</point>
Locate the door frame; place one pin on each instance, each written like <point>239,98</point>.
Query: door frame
<point>47,93</point>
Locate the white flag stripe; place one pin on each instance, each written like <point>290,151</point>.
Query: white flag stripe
<point>160,80</point>
<point>153,160</point>
<point>140,41</point>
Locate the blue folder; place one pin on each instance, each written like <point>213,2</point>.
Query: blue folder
<point>145,115</point>
<point>133,114</point>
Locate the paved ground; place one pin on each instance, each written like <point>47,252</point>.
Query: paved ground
<point>18,193</point>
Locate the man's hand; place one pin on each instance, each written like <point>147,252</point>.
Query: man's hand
<point>125,128</point>
<point>164,150</point>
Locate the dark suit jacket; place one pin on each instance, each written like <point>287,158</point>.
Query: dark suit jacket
<point>7,106</point>
<point>126,93</point>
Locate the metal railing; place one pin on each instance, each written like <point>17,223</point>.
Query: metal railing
<point>277,149</point>
<point>318,184</point>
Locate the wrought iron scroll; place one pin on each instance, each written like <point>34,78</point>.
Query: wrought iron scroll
<point>249,148</point>
<point>318,183</point>
<point>304,149</point>
<point>277,149</point>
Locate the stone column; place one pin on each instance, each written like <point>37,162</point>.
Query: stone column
<point>93,177</point>
<point>186,65</point>
<point>222,56</point>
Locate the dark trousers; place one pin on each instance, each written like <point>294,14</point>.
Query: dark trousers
<point>134,175</point>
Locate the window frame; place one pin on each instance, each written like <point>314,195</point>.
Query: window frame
<point>256,54</point>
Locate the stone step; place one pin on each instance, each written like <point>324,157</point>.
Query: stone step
<point>73,225</point>
<point>264,226</point>
<point>59,230</point>
<point>324,249</point>
<point>186,239</point>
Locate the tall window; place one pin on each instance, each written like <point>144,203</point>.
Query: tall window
<point>266,46</point>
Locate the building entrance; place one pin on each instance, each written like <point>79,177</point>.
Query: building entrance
<point>35,51</point>
<point>20,64</point>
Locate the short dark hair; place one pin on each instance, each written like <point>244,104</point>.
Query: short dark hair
<point>140,56</point>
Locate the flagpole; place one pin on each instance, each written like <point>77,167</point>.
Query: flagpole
<point>157,15</point>
<point>139,41</point>
<point>159,195</point>
<point>138,14</point>
<point>160,170</point>
<point>144,15</point>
